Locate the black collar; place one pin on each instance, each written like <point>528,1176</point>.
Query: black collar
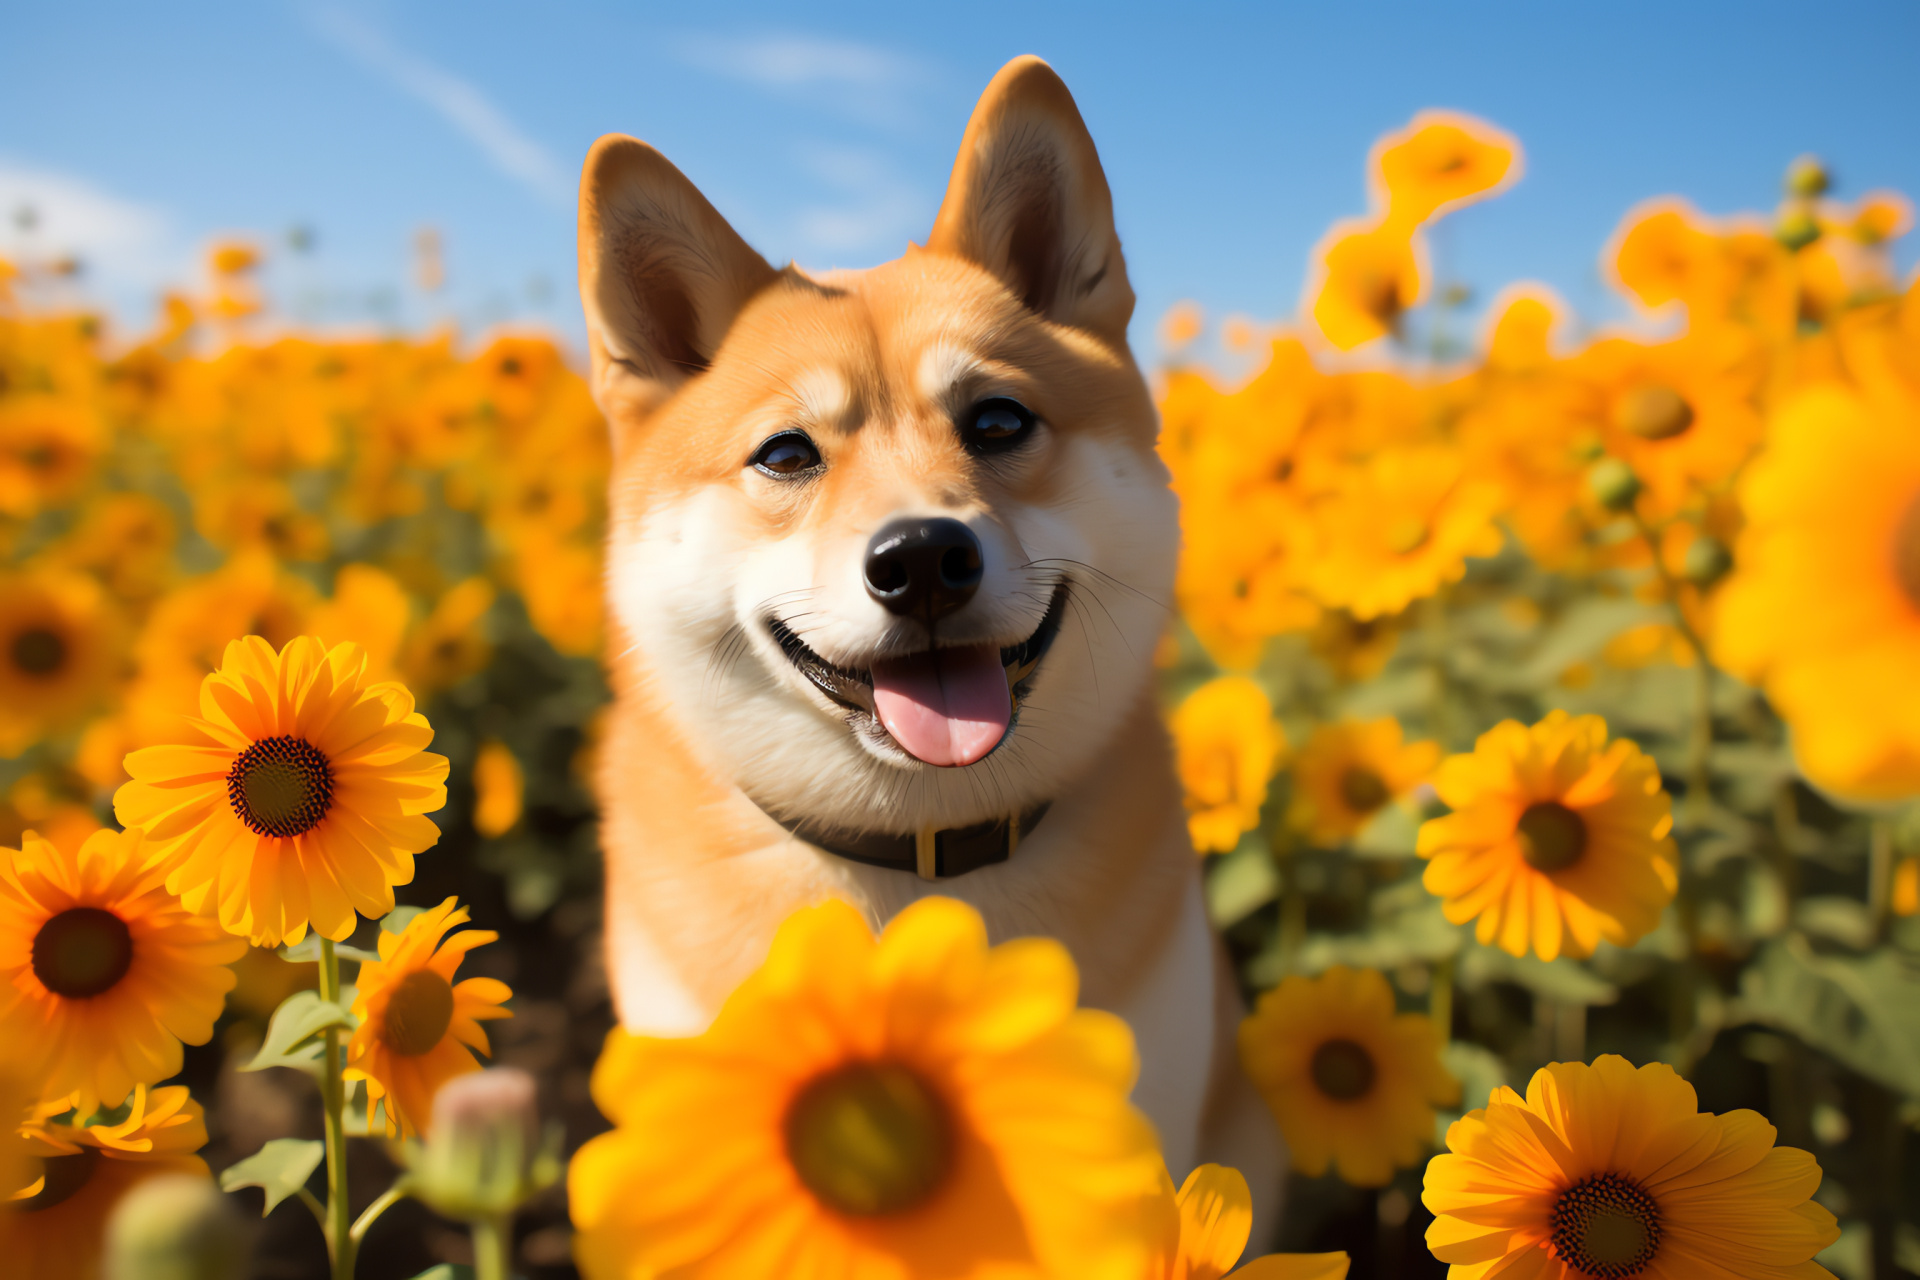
<point>934,854</point>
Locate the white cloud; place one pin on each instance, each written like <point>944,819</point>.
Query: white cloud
<point>870,83</point>
<point>121,243</point>
<point>455,100</point>
<point>882,210</point>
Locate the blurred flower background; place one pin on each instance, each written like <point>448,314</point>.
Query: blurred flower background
<point>1544,670</point>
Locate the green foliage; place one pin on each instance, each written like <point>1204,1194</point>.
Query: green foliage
<point>293,1036</point>
<point>1863,1010</point>
<point>281,1169</point>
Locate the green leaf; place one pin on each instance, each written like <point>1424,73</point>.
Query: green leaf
<point>1405,925</point>
<point>307,950</point>
<point>1391,833</point>
<point>1242,883</point>
<point>291,1035</point>
<point>280,1169</point>
<point>1564,979</point>
<point>1578,634</point>
<point>1837,919</point>
<point>1480,1071</point>
<point>396,921</point>
<point>1863,1011</point>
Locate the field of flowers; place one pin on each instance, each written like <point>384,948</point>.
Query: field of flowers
<point>1547,704</point>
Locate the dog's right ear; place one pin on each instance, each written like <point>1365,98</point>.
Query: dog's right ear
<point>662,275</point>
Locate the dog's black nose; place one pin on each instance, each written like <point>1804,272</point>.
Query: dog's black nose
<point>924,569</point>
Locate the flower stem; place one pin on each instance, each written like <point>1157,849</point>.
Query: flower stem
<point>390,1197</point>
<point>1880,876</point>
<point>1440,998</point>
<point>493,1247</point>
<point>1700,739</point>
<point>340,1238</point>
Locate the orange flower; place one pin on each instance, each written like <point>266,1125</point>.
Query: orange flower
<point>1443,159</point>
<point>417,1029</point>
<point>1368,275</point>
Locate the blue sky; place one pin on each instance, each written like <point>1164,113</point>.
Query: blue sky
<point>1232,135</point>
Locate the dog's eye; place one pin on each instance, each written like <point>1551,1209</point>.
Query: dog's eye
<point>788,454</point>
<point>996,425</point>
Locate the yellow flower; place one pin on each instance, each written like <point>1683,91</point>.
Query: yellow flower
<point>1906,887</point>
<point>1183,322</point>
<point>1226,746</point>
<point>498,789</point>
<point>1608,1171</point>
<point>1351,1082</point>
<point>417,1028</point>
<point>233,257</point>
<point>190,629</point>
<point>1557,838</point>
<point>1235,460</point>
<point>1215,1216</point>
<point>1355,648</point>
<point>561,582</point>
<point>47,448</point>
<point>914,1105</point>
<point>451,644</point>
<point>60,646</point>
<point>515,374</point>
<point>1823,608</point>
<point>1680,413</point>
<point>370,608</point>
<point>1348,772</point>
<point>125,539</point>
<point>1442,159</point>
<point>103,974</point>
<point>1398,527</point>
<point>57,1229</point>
<point>1663,252</point>
<point>1367,276</point>
<point>258,511</point>
<point>299,795</point>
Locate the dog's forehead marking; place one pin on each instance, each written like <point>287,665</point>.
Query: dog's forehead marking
<point>822,394</point>
<point>943,365</point>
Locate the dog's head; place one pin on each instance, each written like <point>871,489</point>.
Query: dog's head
<point>890,547</point>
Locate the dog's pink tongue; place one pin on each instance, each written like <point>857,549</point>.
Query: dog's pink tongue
<point>945,706</point>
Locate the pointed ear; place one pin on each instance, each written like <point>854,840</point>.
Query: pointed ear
<point>1029,202</point>
<point>662,275</point>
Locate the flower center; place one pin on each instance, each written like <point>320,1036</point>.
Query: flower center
<point>1362,789</point>
<point>82,952</point>
<point>1552,836</point>
<point>870,1139</point>
<point>39,651</point>
<point>1380,298</point>
<point>1343,1070</point>
<point>1606,1226</point>
<point>1655,412</point>
<point>1906,552</point>
<point>280,786</point>
<point>418,1013</point>
<point>65,1176</point>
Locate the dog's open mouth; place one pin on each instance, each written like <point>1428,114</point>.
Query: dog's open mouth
<point>949,706</point>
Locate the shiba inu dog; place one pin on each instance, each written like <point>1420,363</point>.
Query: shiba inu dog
<point>890,551</point>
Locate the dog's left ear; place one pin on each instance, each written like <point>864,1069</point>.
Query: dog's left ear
<point>662,275</point>
<point>1029,202</point>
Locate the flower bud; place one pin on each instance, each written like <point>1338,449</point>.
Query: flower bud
<point>1613,484</point>
<point>1796,227</point>
<point>486,1155</point>
<point>1707,561</point>
<point>1808,177</point>
<point>176,1227</point>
